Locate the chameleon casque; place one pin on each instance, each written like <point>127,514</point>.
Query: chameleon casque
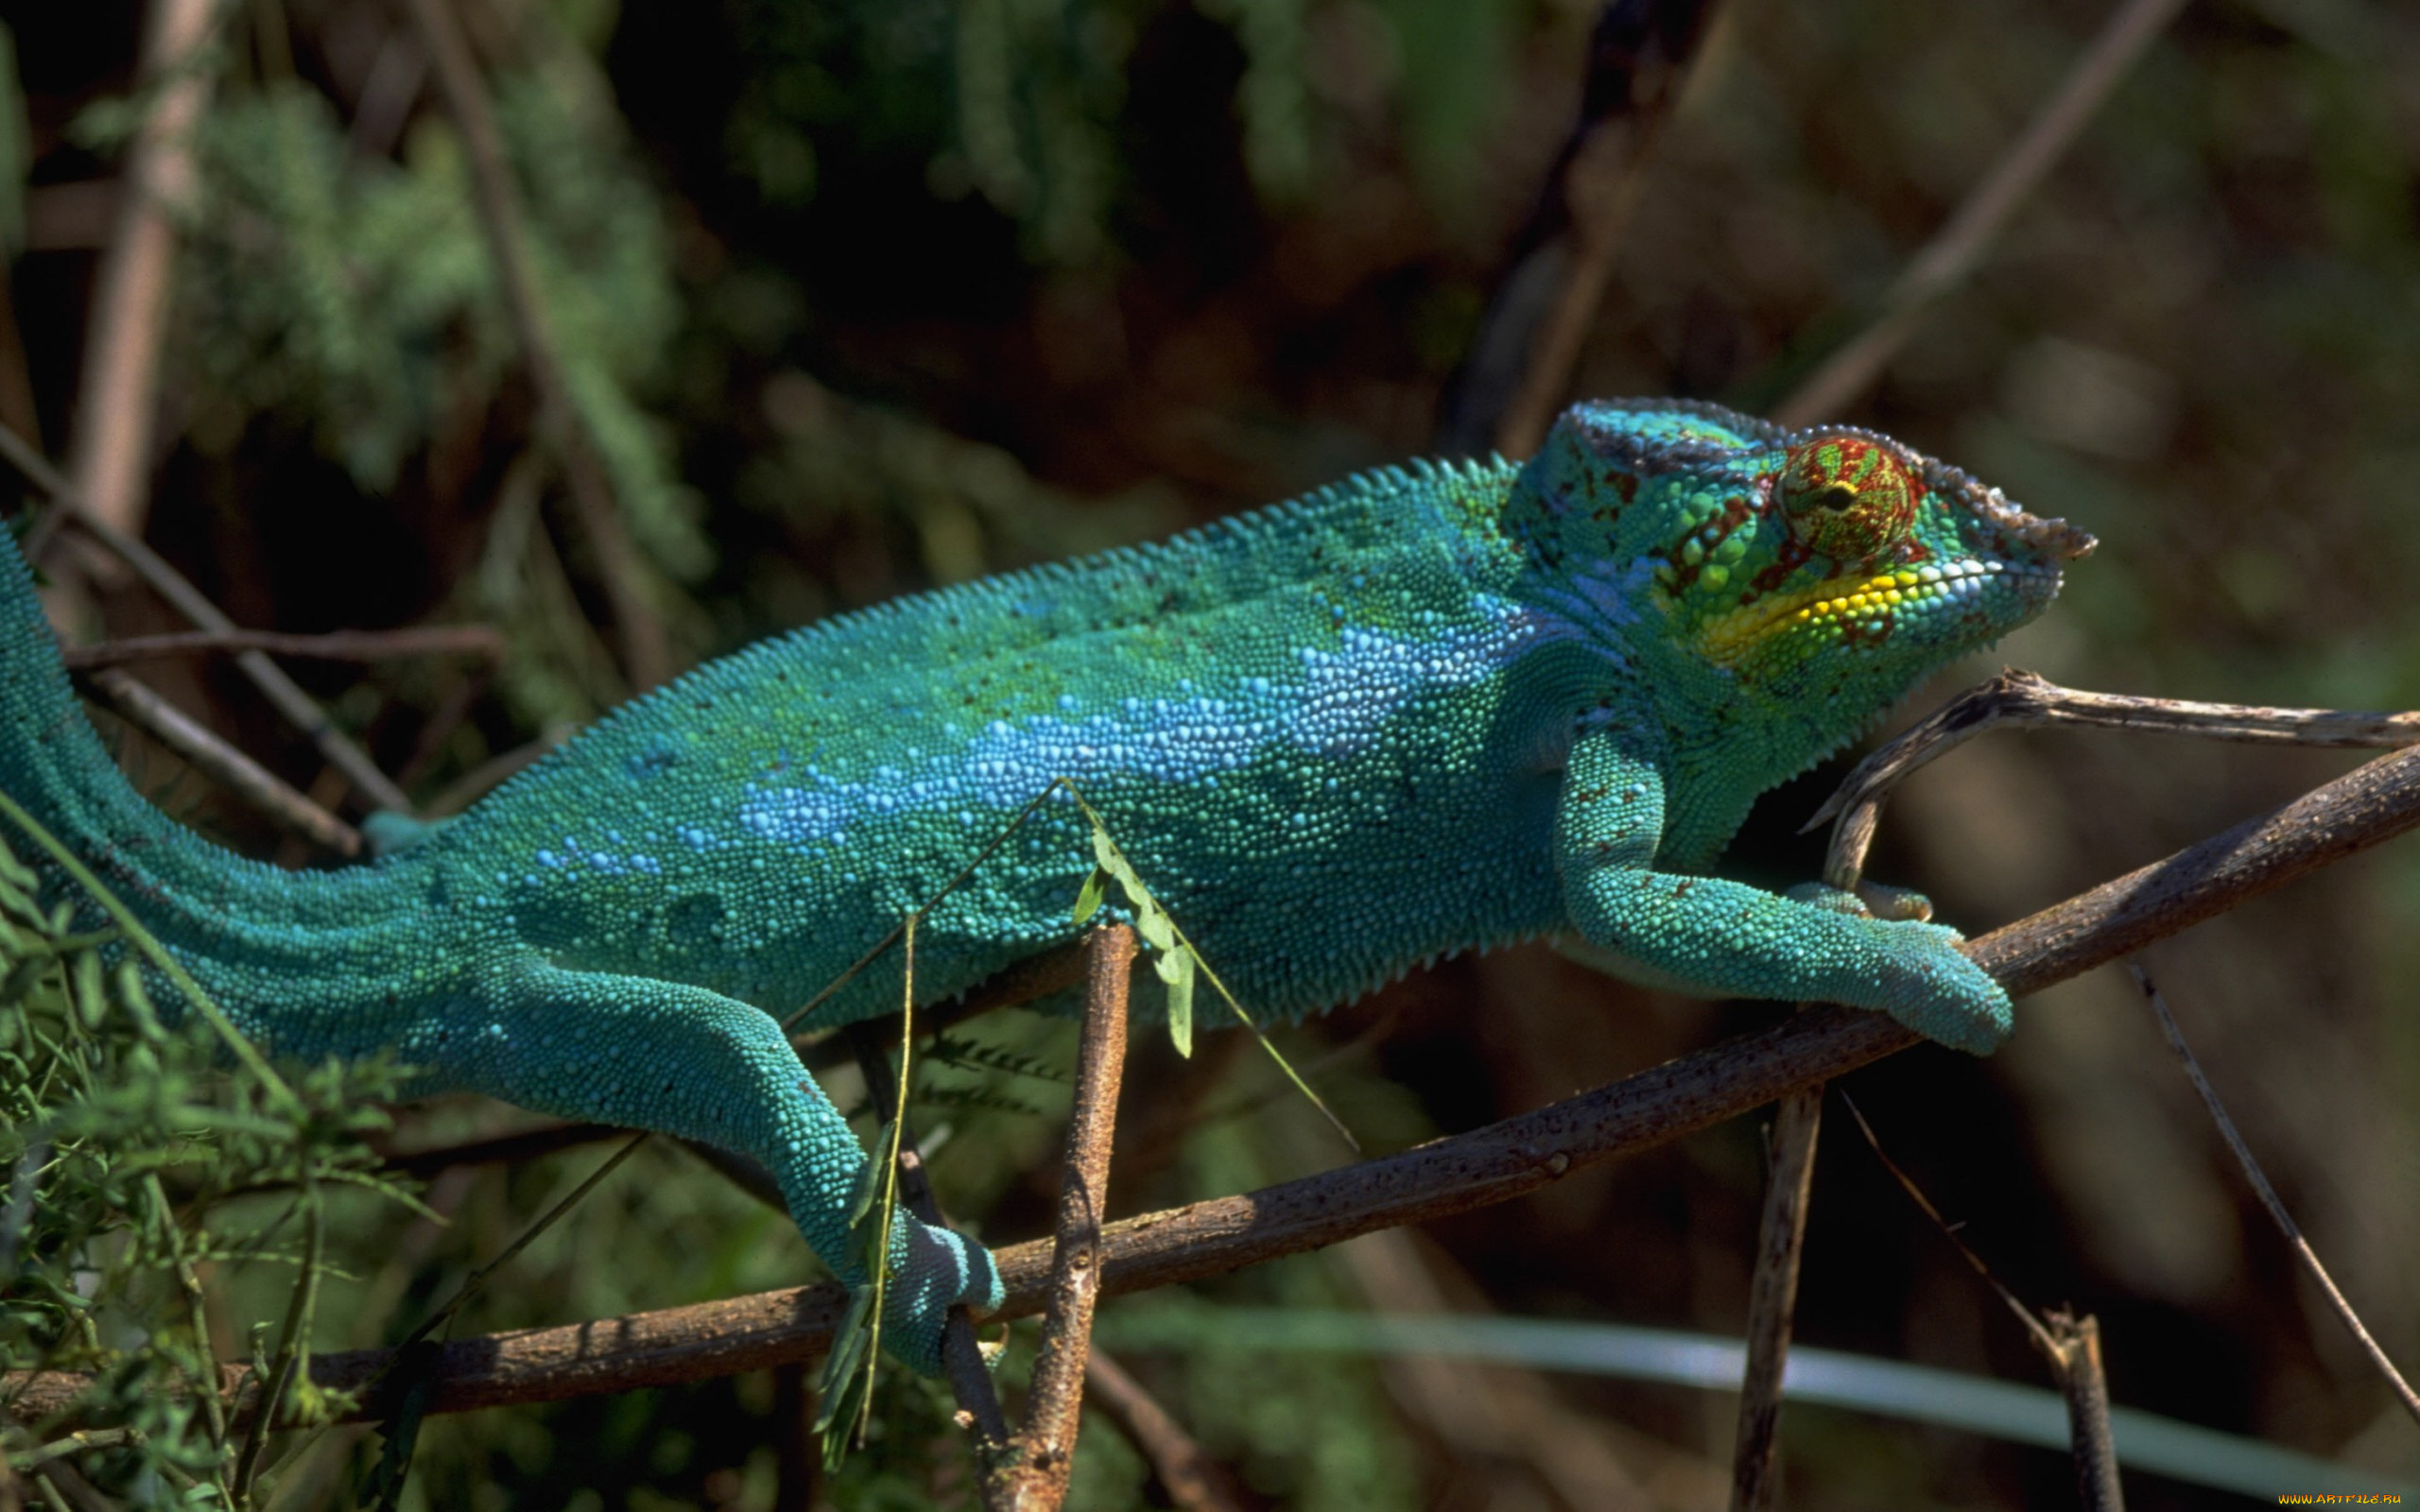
<point>1423,709</point>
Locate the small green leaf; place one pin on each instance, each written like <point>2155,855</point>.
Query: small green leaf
<point>92,1001</point>
<point>869,1186</point>
<point>1088,898</point>
<point>840,1363</point>
<point>1152,921</point>
<point>131,991</point>
<point>1176,970</point>
<point>876,1255</point>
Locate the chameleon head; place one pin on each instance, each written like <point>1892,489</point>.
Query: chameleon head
<point>1828,568</point>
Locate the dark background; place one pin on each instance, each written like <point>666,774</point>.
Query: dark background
<point>862,297</point>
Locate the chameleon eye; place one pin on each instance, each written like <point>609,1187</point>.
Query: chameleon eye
<point>1846,496</point>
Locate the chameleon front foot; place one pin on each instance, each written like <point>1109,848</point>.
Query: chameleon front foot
<point>1927,985</point>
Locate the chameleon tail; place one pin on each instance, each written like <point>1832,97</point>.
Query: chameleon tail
<point>51,761</point>
<point>234,923</point>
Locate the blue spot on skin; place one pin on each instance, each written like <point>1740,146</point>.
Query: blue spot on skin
<point>1336,710</point>
<point>660,755</point>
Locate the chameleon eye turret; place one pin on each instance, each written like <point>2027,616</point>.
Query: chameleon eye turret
<point>1846,496</point>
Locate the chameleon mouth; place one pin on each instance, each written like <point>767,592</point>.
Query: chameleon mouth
<point>1868,608</point>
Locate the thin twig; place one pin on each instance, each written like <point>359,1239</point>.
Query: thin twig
<point>2036,1330</point>
<point>1772,1295</point>
<point>1961,243</point>
<point>1032,1475</point>
<point>66,507</point>
<point>293,1357</point>
<point>2363,808</point>
<point>2084,1387</point>
<point>283,694</point>
<point>116,400</point>
<point>2069,1345</point>
<point>340,645</point>
<point>1194,1482</point>
<point>1520,365</point>
<point>2024,702</point>
<point>647,656</point>
<point>2270,1199</point>
<point>171,1240</point>
<point>970,1380</point>
<point>231,768</point>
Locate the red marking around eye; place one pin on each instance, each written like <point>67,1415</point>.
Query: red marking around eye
<point>1881,496</point>
<point>1791,556</point>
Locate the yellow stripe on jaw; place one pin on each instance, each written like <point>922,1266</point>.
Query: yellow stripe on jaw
<point>1725,637</point>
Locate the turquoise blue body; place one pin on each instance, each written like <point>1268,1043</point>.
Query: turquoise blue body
<point>1418,712</point>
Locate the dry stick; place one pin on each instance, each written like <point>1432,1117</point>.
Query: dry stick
<point>2365,807</point>
<point>2084,1387</point>
<point>1959,244</point>
<point>970,1380</point>
<point>340,645</point>
<point>297,707</point>
<point>231,768</point>
<point>2070,1344</point>
<point>1639,63</point>
<point>646,653</point>
<point>115,402</point>
<point>1781,1242</point>
<point>1032,1475</point>
<point>1193,1480</point>
<point>1772,1295</point>
<point>2025,701</point>
<point>2029,702</point>
<point>2270,1199</point>
<point>35,469</point>
<point>66,508</point>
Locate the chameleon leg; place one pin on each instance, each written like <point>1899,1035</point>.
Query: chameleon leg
<point>685,1061</point>
<point>1718,939</point>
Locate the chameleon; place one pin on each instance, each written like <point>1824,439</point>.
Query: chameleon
<point>1436,707</point>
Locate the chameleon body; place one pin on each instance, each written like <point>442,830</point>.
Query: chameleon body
<point>1423,709</point>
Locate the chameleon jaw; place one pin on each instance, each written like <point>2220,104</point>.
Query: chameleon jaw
<point>1869,606</point>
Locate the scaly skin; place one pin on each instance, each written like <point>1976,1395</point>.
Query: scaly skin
<point>1418,712</point>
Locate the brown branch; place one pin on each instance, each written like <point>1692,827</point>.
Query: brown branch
<point>115,402</point>
<point>1032,1474</point>
<point>1520,362</point>
<point>340,645</point>
<point>223,764</point>
<point>2070,1345</point>
<point>647,657</point>
<point>1959,244</point>
<point>1772,1295</point>
<point>2074,1350</point>
<point>2019,699</point>
<point>1193,1480</point>
<point>66,507</point>
<point>283,692</point>
<point>2361,809</point>
<point>1599,183</point>
<point>2276,1204</point>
